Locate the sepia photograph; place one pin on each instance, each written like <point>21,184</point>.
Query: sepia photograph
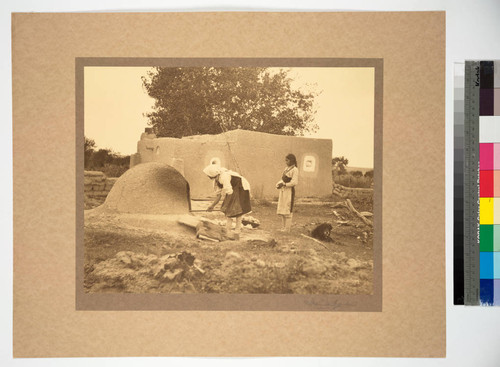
<point>229,179</point>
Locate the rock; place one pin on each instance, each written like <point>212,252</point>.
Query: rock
<point>312,252</point>
<point>170,275</point>
<point>124,257</point>
<point>197,262</point>
<point>355,264</point>
<point>247,268</point>
<point>93,173</point>
<point>313,268</point>
<point>168,262</point>
<point>254,258</point>
<point>186,257</point>
<point>279,265</point>
<point>189,288</point>
<point>156,270</point>
<point>234,257</point>
<point>250,222</point>
<point>260,263</point>
<point>98,187</point>
<point>272,243</point>
<point>354,283</point>
<point>100,193</point>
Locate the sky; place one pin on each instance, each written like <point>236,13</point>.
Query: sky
<point>115,103</point>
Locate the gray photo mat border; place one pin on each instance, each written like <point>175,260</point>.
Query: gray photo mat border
<point>229,302</point>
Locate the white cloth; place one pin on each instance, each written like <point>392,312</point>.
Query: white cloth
<point>224,178</point>
<point>293,173</point>
<point>212,170</point>
<point>286,199</point>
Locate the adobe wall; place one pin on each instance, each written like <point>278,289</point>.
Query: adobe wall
<point>188,156</point>
<point>259,157</point>
<point>262,158</point>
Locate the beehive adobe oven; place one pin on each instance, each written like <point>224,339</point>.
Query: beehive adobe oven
<point>150,188</point>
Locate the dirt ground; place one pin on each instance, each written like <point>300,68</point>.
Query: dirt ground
<point>155,254</point>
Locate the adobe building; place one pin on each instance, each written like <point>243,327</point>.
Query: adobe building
<point>259,157</point>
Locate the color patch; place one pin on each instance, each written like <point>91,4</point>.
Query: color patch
<point>486,211</point>
<point>486,265</point>
<point>496,102</point>
<point>486,189</point>
<point>486,104</point>
<point>496,292</point>
<point>496,265</point>
<point>496,237</point>
<point>486,155</point>
<point>487,74</point>
<point>496,210</point>
<point>489,129</point>
<point>496,183</point>
<point>496,156</point>
<point>486,291</point>
<point>486,237</point>
<point>496,74</point>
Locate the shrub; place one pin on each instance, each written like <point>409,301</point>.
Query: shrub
<point>113,170</point>
<point>349,180</point>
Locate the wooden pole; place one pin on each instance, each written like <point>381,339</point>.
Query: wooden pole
<point>351,208</point>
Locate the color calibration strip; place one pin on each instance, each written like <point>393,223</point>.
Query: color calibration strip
<point>458,185</point>
<point>477,183</point>
<point>489,183</point>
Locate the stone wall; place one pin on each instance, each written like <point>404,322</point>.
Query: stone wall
<point>97,185</point>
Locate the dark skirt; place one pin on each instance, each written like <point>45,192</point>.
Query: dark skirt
<point>238,203</point>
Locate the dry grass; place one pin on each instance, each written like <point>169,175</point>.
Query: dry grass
<point>289,263</point>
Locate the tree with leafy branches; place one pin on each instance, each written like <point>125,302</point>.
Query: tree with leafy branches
<point>339,164</point>
<point>88,150</point>
<point>211,100</point>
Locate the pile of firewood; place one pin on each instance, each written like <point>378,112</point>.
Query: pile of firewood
<point>339,190</point>
<point>361,215</point>
<point>344,192</point>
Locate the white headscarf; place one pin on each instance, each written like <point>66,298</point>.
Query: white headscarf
<point>212,170</point>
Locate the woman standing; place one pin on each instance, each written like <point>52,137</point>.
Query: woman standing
<point>286,187</point>
<point>235,191</point>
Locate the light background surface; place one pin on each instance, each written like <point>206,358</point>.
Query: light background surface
<point>472,33</point>
<point>412,323</point>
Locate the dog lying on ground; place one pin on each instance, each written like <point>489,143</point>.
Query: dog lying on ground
<point>322,232</point>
